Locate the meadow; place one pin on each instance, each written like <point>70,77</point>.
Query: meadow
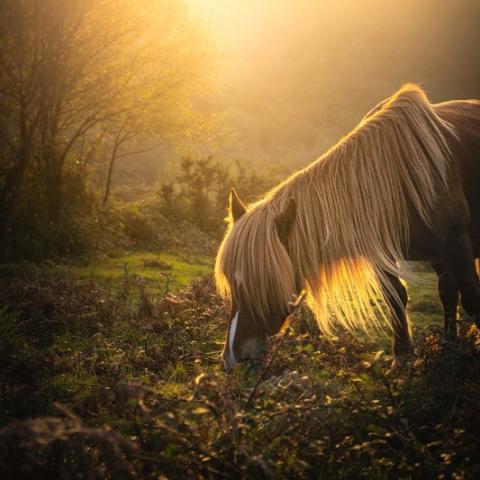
<point>112,370</point>
<point>123,126</point>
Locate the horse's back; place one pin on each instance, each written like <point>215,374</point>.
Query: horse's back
<point>464,115</point>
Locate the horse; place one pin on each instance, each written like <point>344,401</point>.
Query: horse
<point>402,186</point>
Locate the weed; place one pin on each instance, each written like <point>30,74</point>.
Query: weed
<point>144,394</point>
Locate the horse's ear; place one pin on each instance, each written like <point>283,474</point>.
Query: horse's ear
<point>286,220</point>
<point>237,208</point>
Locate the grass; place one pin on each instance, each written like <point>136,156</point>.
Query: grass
<point>158,271</point>
<point>105,376</point>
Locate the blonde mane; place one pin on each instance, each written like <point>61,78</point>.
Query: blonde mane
<point>351,225</point>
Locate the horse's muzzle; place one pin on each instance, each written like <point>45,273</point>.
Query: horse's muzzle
<point>251,351</point>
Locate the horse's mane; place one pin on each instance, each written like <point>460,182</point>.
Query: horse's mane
<point>352,220</point>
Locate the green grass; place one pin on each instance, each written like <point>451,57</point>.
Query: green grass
<point>157,271</point>
<point>139,374</point>
<point>423,302</point>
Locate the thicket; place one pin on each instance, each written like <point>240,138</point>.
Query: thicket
<point>84,83</point>
<point>199,193</point>
<point>184,213</point>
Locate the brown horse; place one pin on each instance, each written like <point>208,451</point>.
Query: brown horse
<point>403,185</point>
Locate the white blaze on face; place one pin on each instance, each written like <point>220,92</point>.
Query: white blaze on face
<point>231,335</point>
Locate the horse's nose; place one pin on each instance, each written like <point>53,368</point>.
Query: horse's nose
<point>253,349</point>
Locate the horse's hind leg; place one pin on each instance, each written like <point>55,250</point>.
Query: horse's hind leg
<point>459,258</point>
<point>397,298</point>
<point>449,296</point>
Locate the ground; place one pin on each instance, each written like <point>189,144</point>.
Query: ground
<point>112,370</point>
<point>157,271</point>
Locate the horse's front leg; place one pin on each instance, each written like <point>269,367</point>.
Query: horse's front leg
<point>397,298</point>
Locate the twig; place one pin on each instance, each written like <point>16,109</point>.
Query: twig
<point>288,321</point>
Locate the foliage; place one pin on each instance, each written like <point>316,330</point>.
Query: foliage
<point>89,231</point>
<point>144,396</point>
<point>184,214</point>
<point>199,192</point>
<point>72,447</point>
<point>83,83</point>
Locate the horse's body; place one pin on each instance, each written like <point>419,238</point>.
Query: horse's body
<point>410,192</point>
<point>461,233</point>
<point>465,117</point>
<point>464,180</point>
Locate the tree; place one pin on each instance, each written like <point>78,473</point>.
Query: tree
<point>80,76</point>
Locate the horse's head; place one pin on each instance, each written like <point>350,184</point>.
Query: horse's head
<point>255,271</point>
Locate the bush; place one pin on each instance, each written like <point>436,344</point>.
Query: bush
<point>199,193</point>
<point>139,228</point>
<point>36,232</point>
<point>147,398</point>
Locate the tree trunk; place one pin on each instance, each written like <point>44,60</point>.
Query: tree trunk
<point>9,195</point>
<point>54,191</point>
<point>113,156</point>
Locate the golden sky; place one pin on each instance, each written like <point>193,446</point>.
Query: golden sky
<point>301,73</point>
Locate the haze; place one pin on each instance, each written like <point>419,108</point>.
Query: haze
<point>297,75</point>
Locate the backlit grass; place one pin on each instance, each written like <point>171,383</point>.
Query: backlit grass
<point>156,271</point>
<point>133,378</point>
